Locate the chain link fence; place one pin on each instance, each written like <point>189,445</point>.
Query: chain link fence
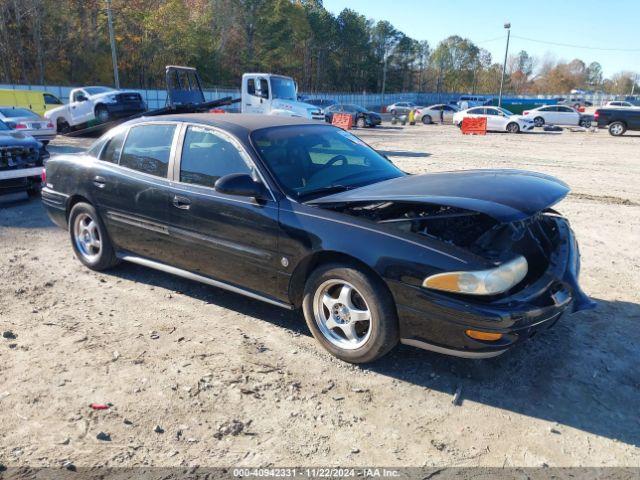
<point>374,101</point>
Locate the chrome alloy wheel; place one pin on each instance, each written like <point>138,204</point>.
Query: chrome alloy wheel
<point>617,129</point>
<point>342,315</point>
<point>87,237</point>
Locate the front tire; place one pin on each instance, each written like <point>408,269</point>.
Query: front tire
<point>538,121</point>
<point>513,127</point>
<point>350,313</point>
<point>89,238</point>
<point>617,129</point>
<point>427,119</point>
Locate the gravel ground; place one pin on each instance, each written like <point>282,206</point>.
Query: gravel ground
<point>200,376</point>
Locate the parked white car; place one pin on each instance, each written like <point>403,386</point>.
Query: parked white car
<point>557,115</point>
<point>498,119</point>
<point>619,104</point>
<point>100,104</point>
<point>431,114</point>
<point>28,122</point>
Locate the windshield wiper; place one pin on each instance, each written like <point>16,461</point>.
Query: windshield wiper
<point>328,190</point>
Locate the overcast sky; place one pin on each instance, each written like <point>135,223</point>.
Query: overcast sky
<point>597,24</point>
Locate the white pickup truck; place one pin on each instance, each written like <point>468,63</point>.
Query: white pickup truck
<point>99,104</point>
<point>270,94</point>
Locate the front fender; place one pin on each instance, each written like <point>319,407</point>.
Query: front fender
<point>308,231</point>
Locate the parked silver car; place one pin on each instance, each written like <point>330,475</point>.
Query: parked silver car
<point>433,113</point>
<point>401,108</point>
<point>28,122</point>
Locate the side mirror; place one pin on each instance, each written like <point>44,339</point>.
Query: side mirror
<point>240,184</point>
<point>81,98</point>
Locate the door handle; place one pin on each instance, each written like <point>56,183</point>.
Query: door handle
<point>183,203</point>
<point>99,181</point>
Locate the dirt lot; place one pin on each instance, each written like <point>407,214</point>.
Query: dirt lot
<point>230,381</point>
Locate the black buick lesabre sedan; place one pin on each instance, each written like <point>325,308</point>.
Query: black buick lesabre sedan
<point>299,214</point>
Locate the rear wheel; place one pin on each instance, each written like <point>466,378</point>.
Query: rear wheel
<point>102,114</point>
<point>617,128</point>
<point>361,123</point>
<point>513,127</point>
<point>426,119</point>
<point>62,126</point>
<point>538,121</point>
<point>350,312</point>
<point>586,123</point>
<point>393,112</point>
<point>89,238</point>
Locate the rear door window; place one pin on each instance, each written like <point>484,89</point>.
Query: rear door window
<point>111,152</point>
<point>147,149</point>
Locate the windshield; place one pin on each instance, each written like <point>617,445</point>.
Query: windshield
<point>18,112</point>
<point>506,112</point>
<point>283,88</point>
<point>311,161</point>
<point>3,126</point>
<point>97,90</point>
<point>357,108</point>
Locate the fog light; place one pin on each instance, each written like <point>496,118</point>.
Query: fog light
<point>487,336</point>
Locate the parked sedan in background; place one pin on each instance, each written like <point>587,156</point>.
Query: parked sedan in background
<point>400,108</point>
<point>619,104</point>
<point>557,115</point>
<point>432,114</point>
<point>305,215</point>
<point>29,123</point>
<point>498,119</point>
<point>361,116</point>
<point>21,161</point>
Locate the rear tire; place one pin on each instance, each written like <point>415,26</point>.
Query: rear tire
<point>393,112</point>
<point>585,123</point>
<point>102,114</point>
<point>513,127</point>
<point>361,123</point>
<point>89,238</point>
<point>426,119</point>
<point>62,126</point>
<point>617,129</point>
<point>538,121</point>
<point>334,296</point>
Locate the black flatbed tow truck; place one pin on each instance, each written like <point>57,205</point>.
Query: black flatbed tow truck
<point>184,95</point>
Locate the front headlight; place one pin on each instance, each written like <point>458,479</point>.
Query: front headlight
<point>483,282</point>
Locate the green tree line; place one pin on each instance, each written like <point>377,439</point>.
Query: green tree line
<point>67,42</point>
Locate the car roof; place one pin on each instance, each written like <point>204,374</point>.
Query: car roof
<point>234,122</point>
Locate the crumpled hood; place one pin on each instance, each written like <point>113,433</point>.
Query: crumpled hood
<point>99,96</point>
<point>506,195</point>
<point>16,139</point>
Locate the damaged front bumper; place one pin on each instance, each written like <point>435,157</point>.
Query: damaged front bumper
<point>438,322</point>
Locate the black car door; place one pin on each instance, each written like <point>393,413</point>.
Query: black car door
<point>230,238</point>
<point>132,189</point>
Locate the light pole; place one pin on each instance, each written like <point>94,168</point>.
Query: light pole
<point>507,25</point>
<point>114,56</point>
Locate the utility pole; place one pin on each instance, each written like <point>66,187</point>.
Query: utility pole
<point>507,25</point>
<point>114,55</point>
<point>384,76</point>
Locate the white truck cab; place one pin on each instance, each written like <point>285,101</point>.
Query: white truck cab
<point>269,94</point>
<point>97,103</point>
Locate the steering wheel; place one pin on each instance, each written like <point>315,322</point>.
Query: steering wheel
<point>336,159</point>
